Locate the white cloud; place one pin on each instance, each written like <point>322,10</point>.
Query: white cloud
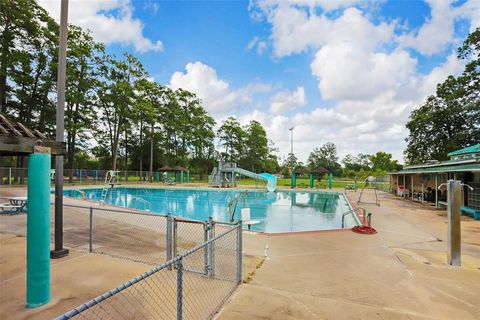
<point>260,45</point>
<point>295,29</point>
<point>346,72</point>
<point>438,31</point>
<point>215,93</point>
<point>284,101</point>
<point>111,21</point>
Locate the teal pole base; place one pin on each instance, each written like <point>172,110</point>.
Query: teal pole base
<point>38,230</point>
<point>330,182</point>
<point>311,181</point>
<point>36,305</point>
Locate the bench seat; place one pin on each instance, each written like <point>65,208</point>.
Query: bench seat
<point>470,211</point>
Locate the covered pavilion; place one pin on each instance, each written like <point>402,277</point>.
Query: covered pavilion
<point>421,182</point>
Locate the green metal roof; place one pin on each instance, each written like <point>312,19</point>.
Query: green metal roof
<point>460,168</point>
<point>444,163</point>
<point>471,149</point>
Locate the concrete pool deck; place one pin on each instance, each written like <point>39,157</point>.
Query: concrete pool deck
<point>399,273</point>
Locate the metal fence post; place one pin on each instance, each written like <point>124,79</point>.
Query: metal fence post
<point>206,230</point>
<point>175,237</point>
<point>90,248</point>
<point>239,252</point>
<point>10,176</point>
<point>169,238</point>
<point>454,195</point>
<point>211,247</point>
<point>179,267</point>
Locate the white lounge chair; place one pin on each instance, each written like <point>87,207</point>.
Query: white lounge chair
<point>246,218</point>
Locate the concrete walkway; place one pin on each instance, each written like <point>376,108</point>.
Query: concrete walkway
<point>399,273</point>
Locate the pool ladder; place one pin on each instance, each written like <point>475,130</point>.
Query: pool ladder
<point>346,213</point>
<point>146,204</point>
<point>104,194</point>
<point>110,179</point>
<point>82,193</point>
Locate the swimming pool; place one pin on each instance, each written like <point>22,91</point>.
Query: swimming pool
<point>280,211</point>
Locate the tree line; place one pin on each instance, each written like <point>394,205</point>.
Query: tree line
<point>324,159</point>
<point>116,117</point>
<point>450,119</point>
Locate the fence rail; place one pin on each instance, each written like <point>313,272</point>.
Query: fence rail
<point>134,235</point>
<point>173,290</point>
<point>18,176</point>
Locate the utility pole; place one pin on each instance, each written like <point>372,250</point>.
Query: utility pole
<point>59,251</point>
<point>291,139</point>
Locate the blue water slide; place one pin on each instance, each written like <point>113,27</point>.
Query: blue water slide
<point>270,179</point>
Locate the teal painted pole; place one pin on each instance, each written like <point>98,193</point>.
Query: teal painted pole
<point>311,180</point>
<point>38,230</point>
<point>188,176</point>
<point>294,180</point>
<point>330,178</point>
<point>181,177</point>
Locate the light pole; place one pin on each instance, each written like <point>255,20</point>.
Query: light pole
<point>291,139</point>
<point>59,251</point>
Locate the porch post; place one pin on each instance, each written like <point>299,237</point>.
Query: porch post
<point>453,238</point>
<point>396,191</point>
<point>436,189</point>
<point>412,187</point>
<point>422,192</point>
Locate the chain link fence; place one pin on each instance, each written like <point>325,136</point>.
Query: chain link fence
<point>132,235</point>
<point>138,236</point>
<point>383,184</point>
<point>175,289</point>
<point>18,176</point>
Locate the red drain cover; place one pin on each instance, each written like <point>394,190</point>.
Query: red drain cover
<point>364,230</point>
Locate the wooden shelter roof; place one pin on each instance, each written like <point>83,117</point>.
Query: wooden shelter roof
<point>18,139</point>
<point>319,170</point>
<point>176,168</point>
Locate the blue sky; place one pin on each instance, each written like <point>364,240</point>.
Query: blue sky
<point>349,72</point>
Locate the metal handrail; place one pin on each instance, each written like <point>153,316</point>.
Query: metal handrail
<point>146,204</point>
<point>82,193</point>
<point>346,213</point>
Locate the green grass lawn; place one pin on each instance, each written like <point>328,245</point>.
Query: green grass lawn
<point>301,183</point>
<point>283,182</point>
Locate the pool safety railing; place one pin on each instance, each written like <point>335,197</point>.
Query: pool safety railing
<point>174,289</point>
<point>353,211</point>
<point>145,203</point>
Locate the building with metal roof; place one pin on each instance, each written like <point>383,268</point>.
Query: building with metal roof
<point>421,182</point>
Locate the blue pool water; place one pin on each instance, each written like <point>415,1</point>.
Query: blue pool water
<point>281,211</point>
